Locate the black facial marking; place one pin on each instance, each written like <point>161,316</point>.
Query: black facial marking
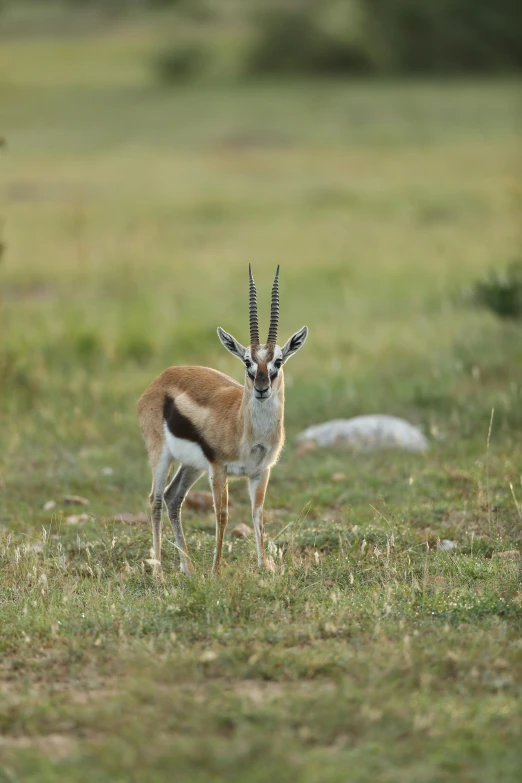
<point>183,428</point>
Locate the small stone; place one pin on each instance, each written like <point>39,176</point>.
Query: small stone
<point>75,500</point>
<point>338,477</point>
<point>107,471</point>
<point>367,433</point>
<point>446,544</point>
<point>199,501</point>
<point>49,505</point>
<point>132,519</point>
<point>501,683</point>
<point>208,656</point>
<point>242,530</point>
<point>77,519</point>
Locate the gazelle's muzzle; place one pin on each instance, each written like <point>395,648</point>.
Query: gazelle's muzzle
<point>262,382</point>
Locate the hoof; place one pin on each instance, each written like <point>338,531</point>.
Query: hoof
<point>186,567</point>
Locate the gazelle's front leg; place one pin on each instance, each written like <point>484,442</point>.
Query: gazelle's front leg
<point>257,488</point>
<point>218,482</point>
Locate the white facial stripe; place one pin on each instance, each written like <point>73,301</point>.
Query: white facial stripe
<point>278,356</point>
<point>251,366</point>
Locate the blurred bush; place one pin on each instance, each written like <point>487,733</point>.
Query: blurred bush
<point>328,36</point>
<point>446,36</point>
<point>501,292</point>
<point>381,37</point>
<point>179,62</point>
<point>388,36</point>
<point>308,38</point>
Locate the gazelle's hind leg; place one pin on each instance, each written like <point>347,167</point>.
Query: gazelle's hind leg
<point>174,496</point>
<point>159,480</point>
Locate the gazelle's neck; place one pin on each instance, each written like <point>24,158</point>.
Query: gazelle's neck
<point>263,418</point>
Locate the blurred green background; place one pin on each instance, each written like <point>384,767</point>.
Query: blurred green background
<point>150,151</point>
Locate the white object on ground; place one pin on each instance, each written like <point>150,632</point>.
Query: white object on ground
<point>367,433</point>
<point>446,544</point>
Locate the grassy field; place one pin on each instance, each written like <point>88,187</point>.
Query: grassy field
<point>129,216</point>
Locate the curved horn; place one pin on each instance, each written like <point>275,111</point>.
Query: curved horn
<point>254,326</point>
<point>274,310</point>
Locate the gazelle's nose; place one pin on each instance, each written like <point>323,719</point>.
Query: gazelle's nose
<point>261,383</point>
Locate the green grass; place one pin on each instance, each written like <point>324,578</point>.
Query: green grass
<point>130,215</point>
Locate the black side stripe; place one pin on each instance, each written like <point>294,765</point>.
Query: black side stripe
<point>183,428</point>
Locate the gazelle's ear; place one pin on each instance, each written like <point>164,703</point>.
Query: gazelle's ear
<point>296,341</point>
<point>231,344</point>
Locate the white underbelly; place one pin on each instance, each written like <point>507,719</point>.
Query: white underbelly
<point>185,451</point>
<point>259,459</point>
<point>237,469</point>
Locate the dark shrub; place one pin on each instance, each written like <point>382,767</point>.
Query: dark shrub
<point>501,292</point>
<point>294,39</point>
<point>180,62</point>
<point>447,36</point>
<point>387,36</point>
<point>87,345</point>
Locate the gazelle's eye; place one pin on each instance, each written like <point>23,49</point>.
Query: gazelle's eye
<point>248,364</point>
<point>277,364</point>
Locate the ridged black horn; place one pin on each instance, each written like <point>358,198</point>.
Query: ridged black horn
<point>274,311</point>
<point>254,325</point>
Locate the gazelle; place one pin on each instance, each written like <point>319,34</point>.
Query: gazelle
<point>210,423</point>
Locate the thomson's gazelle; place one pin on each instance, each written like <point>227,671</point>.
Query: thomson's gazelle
<point>210,423</point>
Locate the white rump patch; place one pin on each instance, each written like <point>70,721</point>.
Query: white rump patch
<point>185,451</point>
